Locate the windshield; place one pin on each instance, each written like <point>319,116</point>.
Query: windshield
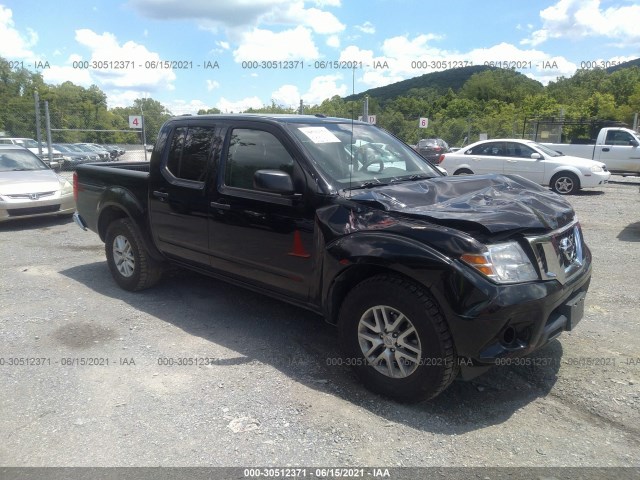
<point>30,143</point>
<point>360,155</point>
<point>20,160</point>
<point>546,150</point>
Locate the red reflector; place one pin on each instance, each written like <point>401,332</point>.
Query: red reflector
<point>440,159</point>
<point>75,186</point>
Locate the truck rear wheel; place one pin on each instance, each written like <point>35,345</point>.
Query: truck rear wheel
<point>396,339</point>
<point>131,266</point>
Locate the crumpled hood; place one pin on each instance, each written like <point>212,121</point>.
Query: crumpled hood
<point>495,202</point>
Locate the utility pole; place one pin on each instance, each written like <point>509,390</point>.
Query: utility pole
<point>301,109</point>
<point>36,98</point>
<point>365,109</point>
<point>48,126</point>
<point>144,135</point>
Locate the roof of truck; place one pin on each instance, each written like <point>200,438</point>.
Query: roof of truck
<point>274,117</point>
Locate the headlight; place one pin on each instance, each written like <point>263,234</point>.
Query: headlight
<point>596,169</point>
<point>66,187</point>
<point>503,263</point>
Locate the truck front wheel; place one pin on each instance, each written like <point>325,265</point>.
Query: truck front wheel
<point>396,339</point>
<point>129,262</point>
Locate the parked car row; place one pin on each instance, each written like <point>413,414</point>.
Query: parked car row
<point>88,152</point>
<point>68,155</point>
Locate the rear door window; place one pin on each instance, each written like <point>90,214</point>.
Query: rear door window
<point>190,151</point>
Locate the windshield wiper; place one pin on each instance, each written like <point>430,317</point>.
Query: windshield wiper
<point>377,183</point>
<point>407,178</point>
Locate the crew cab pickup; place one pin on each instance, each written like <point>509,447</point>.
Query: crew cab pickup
<point>618,148</point>
<point>425,276</point>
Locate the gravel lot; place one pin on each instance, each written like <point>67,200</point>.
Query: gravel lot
<point>270,397</point>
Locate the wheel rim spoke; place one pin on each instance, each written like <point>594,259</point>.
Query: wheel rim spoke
<point>123,256</point>
<point>389,341</point>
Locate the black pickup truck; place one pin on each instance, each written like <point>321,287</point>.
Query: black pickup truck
<point>427,277</point>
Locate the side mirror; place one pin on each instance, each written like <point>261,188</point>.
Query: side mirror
<point>633,143</point>
<point>274,181</point>
<point>536,156</point>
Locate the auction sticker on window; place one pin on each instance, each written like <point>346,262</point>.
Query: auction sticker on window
<point>319,135</point>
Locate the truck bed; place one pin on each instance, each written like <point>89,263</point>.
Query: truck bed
<point>101,182</point>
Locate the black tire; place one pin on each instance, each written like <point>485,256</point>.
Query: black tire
<point>426,338</point>
<point>463,171</point>
<point>565,183</point>
<point>131,266</point>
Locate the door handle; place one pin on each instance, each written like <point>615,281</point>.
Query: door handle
<point>606,149</point>
<point>221,206</point>
<point>160,195</point>
<point>512,161</point>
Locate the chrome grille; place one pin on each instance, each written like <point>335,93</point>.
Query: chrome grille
<point>558,254</point>
<point>31,196</point>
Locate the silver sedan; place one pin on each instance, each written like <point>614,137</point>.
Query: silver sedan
<point>28,188</point>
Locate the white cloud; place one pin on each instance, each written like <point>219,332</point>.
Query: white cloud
<point>333,41</point>
<point>236,16</point>
<point>411,57</point>
<point>258,44</point>
<point>223,45</point>
<point>420,46</point>
<point>323,87</point>
<point>287,95</point>
<point>320,21</point>
<point>229,13</point>
<point>14,44</point>
<point>66,73</point>
<point>122,98</point>
<point>183,107</point>
<point>228,106</point>
<point>106,48</point>
<point>320,88</point>
<point>366,27</point>
<point>328,3</point>
<point>212,85</point>
<point>585,18</point>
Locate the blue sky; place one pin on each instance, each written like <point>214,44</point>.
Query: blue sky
<point>117,40</point>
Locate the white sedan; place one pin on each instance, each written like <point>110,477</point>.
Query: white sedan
<point>535,162</point>
<point>29,188</point>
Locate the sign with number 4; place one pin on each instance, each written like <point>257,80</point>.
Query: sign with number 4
<point>135,121</point>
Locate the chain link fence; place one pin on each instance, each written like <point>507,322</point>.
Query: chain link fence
<point>66,139</point>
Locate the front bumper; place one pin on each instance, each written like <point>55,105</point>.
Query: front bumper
<point>490,322</point>
<point>595,179</point>
<point>52,205</point>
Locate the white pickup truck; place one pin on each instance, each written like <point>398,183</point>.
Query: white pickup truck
<point>618,148</point>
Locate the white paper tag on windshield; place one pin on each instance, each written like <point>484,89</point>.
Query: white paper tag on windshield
<point>319,135</point>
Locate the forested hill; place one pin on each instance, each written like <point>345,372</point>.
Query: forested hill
<point>442,81</point>
<point>630,63</point>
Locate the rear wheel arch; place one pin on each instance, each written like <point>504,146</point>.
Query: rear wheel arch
<point>107,217</point>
